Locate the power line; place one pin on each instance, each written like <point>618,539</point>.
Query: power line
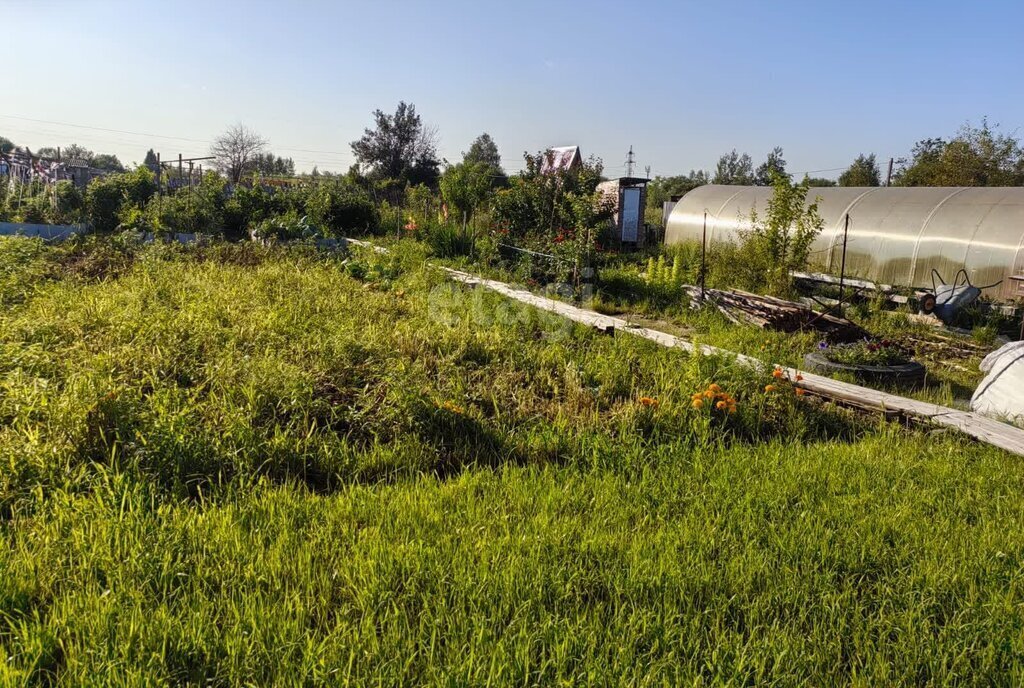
<point>161,136</point>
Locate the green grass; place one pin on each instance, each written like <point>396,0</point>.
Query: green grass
<point>244,466</point>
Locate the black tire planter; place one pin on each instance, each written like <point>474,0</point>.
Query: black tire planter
<point>910,374</point>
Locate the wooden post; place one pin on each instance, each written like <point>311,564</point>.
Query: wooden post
<point>842,265</point>
<point>703,254</point>
<point>181,171</point>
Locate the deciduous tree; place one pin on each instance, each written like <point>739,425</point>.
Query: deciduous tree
<point>774,165</point>
<point>466,186</point>
<point>399,147</point>
<point>485,150</point>
<point>236,150</point>
<point>106,162</point>
<point>662,189</point>
<point>976,156</point>
<point>863,172</point>
<point>733,168</point>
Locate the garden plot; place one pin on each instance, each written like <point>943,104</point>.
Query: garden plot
<point>243,465</point>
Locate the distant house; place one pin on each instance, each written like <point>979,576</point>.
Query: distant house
<point>79,172</point>
<point>563,159</point>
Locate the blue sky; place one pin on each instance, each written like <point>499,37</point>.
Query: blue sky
<point>682,82</point>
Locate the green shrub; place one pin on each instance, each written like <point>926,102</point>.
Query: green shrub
<point>342,211</point>
<point>779,241</point>
<point>106,197</point>
<point>68,204</point>
<point>447,240</point>
<point>288,226</point>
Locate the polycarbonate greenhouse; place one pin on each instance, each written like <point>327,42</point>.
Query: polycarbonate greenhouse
<point>896,236</point>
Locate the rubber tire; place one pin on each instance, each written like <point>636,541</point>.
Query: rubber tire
<point>910,374</point>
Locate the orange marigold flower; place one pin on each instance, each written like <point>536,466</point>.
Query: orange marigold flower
<point>709,394</point>
<point>648,401</point>
<point>800,391</point>
<point>697,403</point>
<point>777,373</point>
<point>770,388</point>
<point>453,407</point>
<point>799,377</point>
<point>714,388</point>
<point>721,405</point>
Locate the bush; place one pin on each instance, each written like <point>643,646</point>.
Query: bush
<point>247,207</point>
<point>68,204</point>
<point>106,198</point>
<point>340,210</point>
<point>285,227</point>
<point>778,242</point>
<point>448,240</point>
<point>191,213</point>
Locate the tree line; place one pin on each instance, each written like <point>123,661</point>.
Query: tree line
<point>398,167</point>
<point>973,156</point>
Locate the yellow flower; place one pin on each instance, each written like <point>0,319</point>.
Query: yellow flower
<point>770,388</point>
<point>777,373</point>
<point>708,394</point>
<point>697,403</point>
<point>648,401</point>
<point>453,407</point>
<point>714,388</point>
<point>721,405</point>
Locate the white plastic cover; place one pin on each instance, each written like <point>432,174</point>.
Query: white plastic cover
<point>1001,393</point>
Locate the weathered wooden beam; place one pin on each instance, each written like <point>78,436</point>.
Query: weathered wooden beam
<point>982,428</point>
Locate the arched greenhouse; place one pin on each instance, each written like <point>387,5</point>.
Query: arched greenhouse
<point>896,235</point>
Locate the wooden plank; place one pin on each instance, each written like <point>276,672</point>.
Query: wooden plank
<point>982,428</point>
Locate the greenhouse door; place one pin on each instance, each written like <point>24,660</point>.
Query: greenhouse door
<point>630,215</point>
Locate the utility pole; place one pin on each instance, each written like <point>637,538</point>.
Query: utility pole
<point>888,177</point>
<point>159,169</point>
<point>181,172</point>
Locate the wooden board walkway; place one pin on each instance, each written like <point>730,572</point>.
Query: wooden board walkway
<point>982,428</point>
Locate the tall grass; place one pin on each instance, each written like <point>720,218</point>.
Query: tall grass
<point>248,467</point>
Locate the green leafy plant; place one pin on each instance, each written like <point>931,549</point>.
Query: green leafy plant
<point>340,210</point>
<point>778,241</point>
<point>286,227</point>
<point>865,352</point>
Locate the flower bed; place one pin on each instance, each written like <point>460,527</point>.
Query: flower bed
<point>868,361</point>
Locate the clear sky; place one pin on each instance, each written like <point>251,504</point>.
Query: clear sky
<point>682,82</point>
